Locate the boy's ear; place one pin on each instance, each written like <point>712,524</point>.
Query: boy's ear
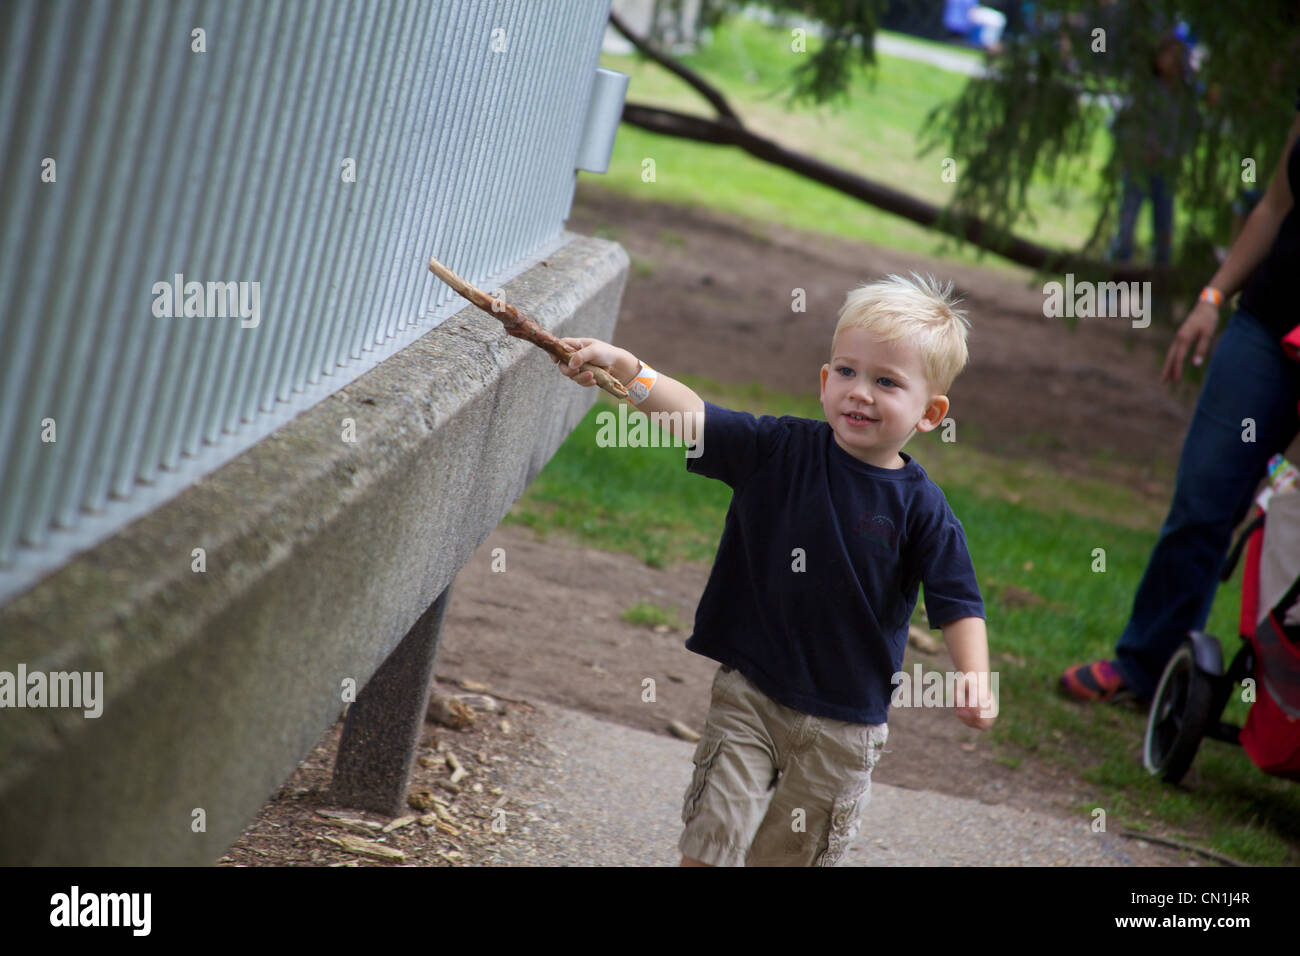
<point>934,413</point>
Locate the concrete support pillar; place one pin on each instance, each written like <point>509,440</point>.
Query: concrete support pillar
<point>384,724</point>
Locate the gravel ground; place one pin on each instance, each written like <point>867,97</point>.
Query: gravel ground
<point>596,793</point>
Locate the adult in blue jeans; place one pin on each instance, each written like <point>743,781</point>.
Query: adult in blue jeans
<point>1134,189</point>
<point>1250,377</point>
<point>1159,126</point>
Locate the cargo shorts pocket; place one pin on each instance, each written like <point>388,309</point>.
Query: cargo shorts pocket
<point>846,818</point>
<point>847,808</point>
<point>706,752</point>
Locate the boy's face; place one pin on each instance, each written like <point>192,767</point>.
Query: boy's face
<point>884,382</point>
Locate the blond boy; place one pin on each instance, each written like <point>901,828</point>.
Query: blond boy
<point>830,531</point>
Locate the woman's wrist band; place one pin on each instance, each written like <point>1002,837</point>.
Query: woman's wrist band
<point>1213,296</point>
<point>644,380</point>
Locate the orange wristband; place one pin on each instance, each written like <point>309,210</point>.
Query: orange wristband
<point>644,380</point>
<point>1213,296</point>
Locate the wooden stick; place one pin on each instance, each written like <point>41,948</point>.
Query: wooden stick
<point>522,327</point>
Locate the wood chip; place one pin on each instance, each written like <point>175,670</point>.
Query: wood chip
<point>428,820</point>
<point>505,726</point>
<point>422,800</point>
<point>449,712</point>
<point>335,819</point>
<point>443,826</point>
<point>433,761</point>
<point>679,729</point>
<point>339,815</point>
<point>473,685</point>
<point>398,824</point>
<point>368,848</point>
<point>481,702</point>
<point>357,826</point>
<point>458,772</point>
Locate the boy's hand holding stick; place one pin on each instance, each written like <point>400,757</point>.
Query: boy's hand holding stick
<point>522,327</point>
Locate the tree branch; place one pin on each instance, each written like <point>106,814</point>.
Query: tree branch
<point>522,327</point>
<point>972,229</point>
<point>697,82</point>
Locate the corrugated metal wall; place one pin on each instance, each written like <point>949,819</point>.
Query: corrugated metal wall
<point>460,121</point>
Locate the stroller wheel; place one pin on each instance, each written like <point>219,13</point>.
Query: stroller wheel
<point>1180,714</point>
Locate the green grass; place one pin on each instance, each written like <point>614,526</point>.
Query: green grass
<point>875,132</point>
<point>601,494</point>
<point>642,614</point>
<point>1032,533</point>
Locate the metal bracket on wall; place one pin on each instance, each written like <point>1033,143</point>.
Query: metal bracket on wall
<point>604,112</point>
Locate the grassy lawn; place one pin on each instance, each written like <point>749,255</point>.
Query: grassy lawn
<point>875,132</point>
<point>1032,533</point>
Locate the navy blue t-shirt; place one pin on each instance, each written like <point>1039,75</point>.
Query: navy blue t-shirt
<point>817,571</point>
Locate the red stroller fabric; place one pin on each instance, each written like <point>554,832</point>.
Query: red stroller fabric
<point>1272,733</point>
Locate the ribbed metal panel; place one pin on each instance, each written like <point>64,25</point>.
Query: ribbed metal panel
<point>225,166</point>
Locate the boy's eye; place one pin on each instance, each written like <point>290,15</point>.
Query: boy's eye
<point>845,368</point>
<point>887,382</point>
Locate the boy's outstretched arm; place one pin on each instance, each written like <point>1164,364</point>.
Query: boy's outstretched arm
<point>968,645</point>
<point>667,395</point>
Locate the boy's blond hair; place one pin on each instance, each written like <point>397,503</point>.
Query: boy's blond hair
<point>918,311</point>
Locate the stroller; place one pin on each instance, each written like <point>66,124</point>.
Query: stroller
<point>1194,688</point>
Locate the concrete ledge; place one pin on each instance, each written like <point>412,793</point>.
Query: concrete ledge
<point>321,555</point>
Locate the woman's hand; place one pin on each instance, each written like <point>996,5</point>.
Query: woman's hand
<point>1195,333</point>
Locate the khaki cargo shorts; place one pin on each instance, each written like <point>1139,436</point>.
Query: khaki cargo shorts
<point>773,786</point>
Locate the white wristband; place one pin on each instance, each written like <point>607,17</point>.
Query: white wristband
<point>639,388</point>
